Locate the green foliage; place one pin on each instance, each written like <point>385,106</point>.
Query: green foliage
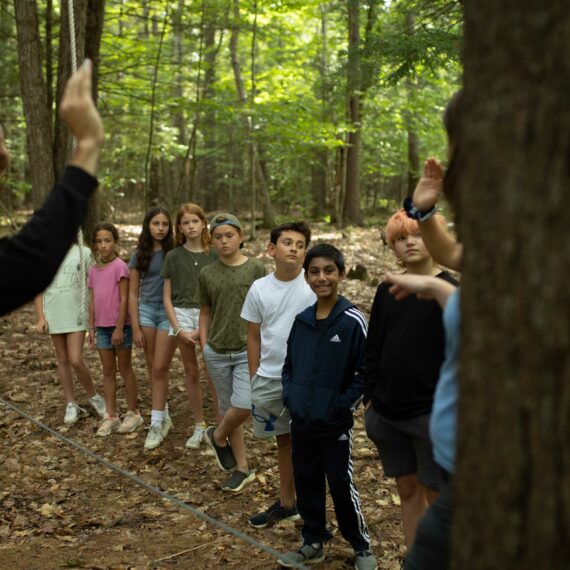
<point>298,109</point>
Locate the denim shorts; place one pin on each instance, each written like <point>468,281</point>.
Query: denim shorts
<point>153,315</point>
<point>104,334</point>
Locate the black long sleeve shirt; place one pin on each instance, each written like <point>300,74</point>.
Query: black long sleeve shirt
<point>404,352</point>
<point>30,259</point>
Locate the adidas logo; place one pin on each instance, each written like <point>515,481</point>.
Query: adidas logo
<point>335,338</point>
<point>343,437</point>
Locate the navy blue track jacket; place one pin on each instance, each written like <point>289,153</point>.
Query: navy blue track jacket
<point>323,373</point>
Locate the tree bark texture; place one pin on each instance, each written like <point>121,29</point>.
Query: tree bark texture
<point>512,487</point>
<point>35,100</point>
<point>351,210</point>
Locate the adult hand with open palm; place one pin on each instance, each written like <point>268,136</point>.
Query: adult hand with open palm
<point>430,186</point>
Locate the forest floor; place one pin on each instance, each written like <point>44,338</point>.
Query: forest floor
<point>60,509</point>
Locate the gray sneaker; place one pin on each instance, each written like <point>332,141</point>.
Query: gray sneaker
<point>154,437</point>
<point>72,413</point>
<point>98,404</point>
<point>237,481</point>
<point>307,554</point>
<point>365,560</point>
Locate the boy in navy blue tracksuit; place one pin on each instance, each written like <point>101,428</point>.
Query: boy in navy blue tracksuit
<point>322,385</point>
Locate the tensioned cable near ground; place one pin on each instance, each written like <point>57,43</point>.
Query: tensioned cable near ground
<point>155,490</point>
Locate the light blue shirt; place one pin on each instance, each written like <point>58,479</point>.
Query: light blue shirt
<point>443,428</point>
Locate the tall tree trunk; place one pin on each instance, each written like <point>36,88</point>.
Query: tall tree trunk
<point>512,486</point>
<point>35,100</point>
<point>268,212</point>
<point>410,120</point>
<point>351,210</point>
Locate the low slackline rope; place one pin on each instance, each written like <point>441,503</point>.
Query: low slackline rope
<point>155,490</point>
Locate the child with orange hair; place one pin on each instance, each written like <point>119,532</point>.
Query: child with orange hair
<point>403,355</point>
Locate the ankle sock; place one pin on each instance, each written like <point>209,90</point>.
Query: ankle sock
<point>157,417</point>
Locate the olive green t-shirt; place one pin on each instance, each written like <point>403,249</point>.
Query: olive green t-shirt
<point>223,288</point>
<point>182,267</point>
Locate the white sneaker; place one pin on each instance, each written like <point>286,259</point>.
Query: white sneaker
<point>131,422</point>
<point>197,437</point>
<point>167,425</point>
<point>98,404</point>
<point>154,437</point>
<point>72,413</point>
<point>108,425</point>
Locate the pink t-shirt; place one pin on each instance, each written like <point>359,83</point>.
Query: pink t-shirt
<point>104,280</point>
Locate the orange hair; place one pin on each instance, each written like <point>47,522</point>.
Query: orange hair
<point>400,225</point>
<point>190,208</point>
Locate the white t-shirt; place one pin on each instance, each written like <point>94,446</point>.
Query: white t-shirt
<point>274,304</point>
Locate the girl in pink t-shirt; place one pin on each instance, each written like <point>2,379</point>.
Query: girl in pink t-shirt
<point>110,330</point>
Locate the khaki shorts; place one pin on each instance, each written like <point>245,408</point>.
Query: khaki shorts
<point>270,417</point>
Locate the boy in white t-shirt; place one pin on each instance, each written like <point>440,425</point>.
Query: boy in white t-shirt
<point>270,308</point>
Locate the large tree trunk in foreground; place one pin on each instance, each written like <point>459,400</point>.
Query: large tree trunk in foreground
<point>513,478</point>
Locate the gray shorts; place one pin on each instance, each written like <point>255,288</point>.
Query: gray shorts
<point>230,375</point>
<point>270,417</point>
<point>404,447</point>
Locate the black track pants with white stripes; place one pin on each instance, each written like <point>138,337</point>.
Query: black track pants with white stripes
<point>330,457</point>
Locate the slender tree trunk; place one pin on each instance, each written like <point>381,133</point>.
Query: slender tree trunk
<point>410,119</point>
<point>351,210</point>
<point>35,100</point>
<point>512,486</point>
<point>268,212</point>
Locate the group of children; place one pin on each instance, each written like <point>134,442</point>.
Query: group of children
<point>285,349</point>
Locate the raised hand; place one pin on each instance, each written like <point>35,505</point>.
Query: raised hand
<point>430,186</point>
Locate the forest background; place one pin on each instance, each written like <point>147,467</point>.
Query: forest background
<point>290,109</point>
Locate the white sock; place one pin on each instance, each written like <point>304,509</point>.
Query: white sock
<point>157,417</point>
<point>166,414</point>
<point>200,427</point>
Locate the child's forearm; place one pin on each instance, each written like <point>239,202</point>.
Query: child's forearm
<point>39,306</point>
<point>253,348</point>
<point>124,295</point>
<point>204,324</point>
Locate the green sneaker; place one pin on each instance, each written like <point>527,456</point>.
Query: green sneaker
<point>307,554</point>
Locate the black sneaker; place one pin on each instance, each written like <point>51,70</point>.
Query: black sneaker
<point>237,481</point>
<point>224,455</point>
<point>274,514</point>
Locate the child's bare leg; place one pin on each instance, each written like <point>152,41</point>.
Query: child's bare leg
<point>214,395</point>
<point>75,342</point>
<point>108,359</point>
<point>231,427</point>
<point>163,353</point>
<point>413,505</point>
<point>286,482</point>
<point>63,366</point>
<point>191,370</point>
<point>238,448</point>
<point>149,334</point>
<point>128,375</point>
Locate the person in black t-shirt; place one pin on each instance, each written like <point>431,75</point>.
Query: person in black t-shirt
<point>403,354</point>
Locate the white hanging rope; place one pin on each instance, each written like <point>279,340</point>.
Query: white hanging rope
<point>82,267</point>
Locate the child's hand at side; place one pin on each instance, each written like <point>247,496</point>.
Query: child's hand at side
<point>91,338</point>
<point>117,336</point>
<point>189,337</point>
<point>138,338</point>
<point>42,325</point>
